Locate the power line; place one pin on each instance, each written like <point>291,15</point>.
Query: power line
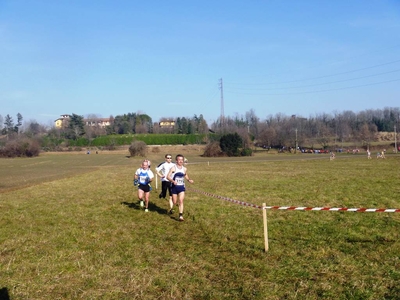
<point>341,61</point>
<point>222,100</point>
<point>319,91</point>
<point>319,77</point>
<point>316,84</point>
<point>212,95</point>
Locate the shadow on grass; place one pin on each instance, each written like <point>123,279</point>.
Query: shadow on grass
<point>350,240</point>
<point>4,294</point>
<point>380,240</point>
<point>152,208</point>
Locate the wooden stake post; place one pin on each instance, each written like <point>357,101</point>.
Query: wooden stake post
<point>265,227</point>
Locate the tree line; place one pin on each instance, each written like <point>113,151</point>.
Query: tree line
<point>130,123</point>
<point>277,130</point>
<point>325,129</point>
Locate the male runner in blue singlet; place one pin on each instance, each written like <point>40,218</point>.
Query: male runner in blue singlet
<point>177,175</point>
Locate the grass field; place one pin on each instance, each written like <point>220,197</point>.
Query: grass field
<point>71,228</point>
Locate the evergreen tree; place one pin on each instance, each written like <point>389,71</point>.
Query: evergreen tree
<point>230,144</point>
<point>8,125</point>
<point>19,123</point>
<point>75,127</point>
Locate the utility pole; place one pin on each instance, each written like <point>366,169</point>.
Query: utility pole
<point>295,150</point>
<point>222,117</point>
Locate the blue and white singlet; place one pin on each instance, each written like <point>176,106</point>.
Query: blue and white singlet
<point>144,176</point>
<point>179,177</point>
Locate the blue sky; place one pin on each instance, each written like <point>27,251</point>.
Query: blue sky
<point>165,58</point>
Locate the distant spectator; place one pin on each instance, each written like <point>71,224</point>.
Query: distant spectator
<point>332,156</point>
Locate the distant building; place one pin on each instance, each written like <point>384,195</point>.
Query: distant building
<point>167,124</point>
<point>100,122</point>
<point>62,121</point>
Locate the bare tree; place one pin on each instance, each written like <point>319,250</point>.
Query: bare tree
<point>267,136</point>
<point>141,128</point>
<point>33,128</point>
<point>156,127</point>
<point>252,122</point>
<point>202,126</point>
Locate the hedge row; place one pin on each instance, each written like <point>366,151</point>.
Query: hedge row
<point>149,139</point>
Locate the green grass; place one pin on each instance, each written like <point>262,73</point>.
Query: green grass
<point>71,228</point>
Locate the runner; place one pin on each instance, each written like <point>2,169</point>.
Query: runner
<point>162,171</point>
<point>177,176</point>
<point>143,177</point>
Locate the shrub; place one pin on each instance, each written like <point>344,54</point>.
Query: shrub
<point>212,150</point>
<point>230,144</point>
<point>20,148</point>
<point>246,152</point>
<point>138,148</point>
<point>33,148</point>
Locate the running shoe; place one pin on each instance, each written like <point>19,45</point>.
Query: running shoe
<point>181,218</point>
<point>141,203</point>
<point>146,210</point>
<point>171,211</point>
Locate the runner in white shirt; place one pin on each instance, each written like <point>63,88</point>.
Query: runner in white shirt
<point>162,170</point>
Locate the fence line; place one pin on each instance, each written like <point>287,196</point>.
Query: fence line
<point>387,210</point>
<point>264,208</point>
<point>226,198</point>
<point>333,209</point>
